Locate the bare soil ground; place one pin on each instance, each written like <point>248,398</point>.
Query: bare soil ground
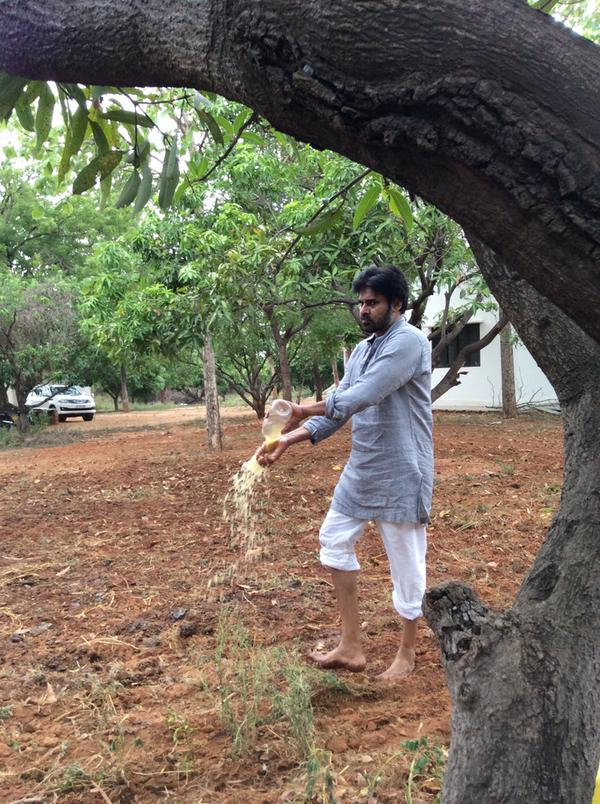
<point>137,667</point>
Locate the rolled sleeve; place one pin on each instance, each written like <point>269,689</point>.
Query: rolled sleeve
<point>321,427</point>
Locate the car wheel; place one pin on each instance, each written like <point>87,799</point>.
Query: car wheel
<point>62,417</point>
<point>87,417</point>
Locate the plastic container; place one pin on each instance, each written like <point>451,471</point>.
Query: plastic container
<point>276,421</point>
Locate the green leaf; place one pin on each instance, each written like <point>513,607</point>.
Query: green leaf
<point>198,167</point>
<point>169,177</point>
<point>86,177</point>
<point>11,87</point>
<point>212,125</point>
<point>99,91</point>
<point>130,118</point>
<point>108,162</point>
<point>321,224</point>
<point>145,189</point>
<point>545,5</point>
<point>99,137</point>
<point>170,187</point>
<point>255,139</point>
<point>65,158</point>
<point>79,124</point>
<point>103,164</point>
<point>400,207</point>
<point>5,80</point>
<point>366,203</point>
<point>73,140</point>
<point>142,152</point>
<point>43,117</point>
<point>171,163</point>
<point>183,186</point>
<point>281,138</point>
<point>33,91</point>
<point>129,191</point>
<point>25,115</point>
<point>62,98</point>
<point>225,125</point>
<point>241,118</point>
<point>105,184</point>
<point>74,91</point>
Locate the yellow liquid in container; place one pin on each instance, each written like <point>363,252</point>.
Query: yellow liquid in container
<point>276,421</point>
<point>272,432</point>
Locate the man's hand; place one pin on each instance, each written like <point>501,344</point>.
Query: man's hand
<point>298,415</point>
<point>267,454</point>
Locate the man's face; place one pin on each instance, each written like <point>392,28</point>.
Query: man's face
<point>376,313</point>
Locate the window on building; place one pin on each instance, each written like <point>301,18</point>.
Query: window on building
<point>469,334</point>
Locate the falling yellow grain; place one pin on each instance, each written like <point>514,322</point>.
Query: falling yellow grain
<point>240,508</point>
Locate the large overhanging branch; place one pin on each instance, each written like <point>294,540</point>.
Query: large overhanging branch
<point>489,110</point>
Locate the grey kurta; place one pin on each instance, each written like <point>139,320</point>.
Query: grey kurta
<point>387,391</point>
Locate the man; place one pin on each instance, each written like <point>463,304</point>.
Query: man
<point>389,476</point>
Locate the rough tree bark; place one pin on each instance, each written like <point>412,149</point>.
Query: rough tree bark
<point>284,363</point>
<point>525,683</point>
<point>317,382</point>
<point>211,395</point>
<point>124,389</point>
<point>335,372</point>
<point>491,111</point>
<point>507,368</point>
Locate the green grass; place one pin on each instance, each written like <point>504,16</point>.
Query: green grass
<point>6,712</point>
<point>259,686</point>
<point>104,404</point>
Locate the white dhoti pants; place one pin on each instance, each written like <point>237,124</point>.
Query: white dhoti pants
<point>405,544</point>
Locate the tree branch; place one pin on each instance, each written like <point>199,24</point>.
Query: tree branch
<point>252,119</point>
<point>450,377</point>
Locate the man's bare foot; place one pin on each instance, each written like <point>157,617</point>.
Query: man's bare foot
<point>339,659</point>
<point>402,666</point>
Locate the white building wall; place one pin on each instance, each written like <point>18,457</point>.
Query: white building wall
<point>481,386</point>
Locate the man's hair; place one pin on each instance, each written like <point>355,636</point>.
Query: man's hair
<point>385,279</point>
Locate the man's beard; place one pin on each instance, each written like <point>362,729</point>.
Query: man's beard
<point>369,326</point>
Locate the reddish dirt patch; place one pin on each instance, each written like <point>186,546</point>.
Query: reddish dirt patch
<point>132,669</point>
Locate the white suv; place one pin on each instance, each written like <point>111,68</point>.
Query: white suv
<point>64,401</point>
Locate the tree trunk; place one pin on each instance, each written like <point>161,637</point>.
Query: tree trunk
<point>284,363</point>
<point>525,684</point>
<point>507,370</point>
<point>318,382</point>
<point>213,416</point>
<point>335,372</point>
<point>124,389</point>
